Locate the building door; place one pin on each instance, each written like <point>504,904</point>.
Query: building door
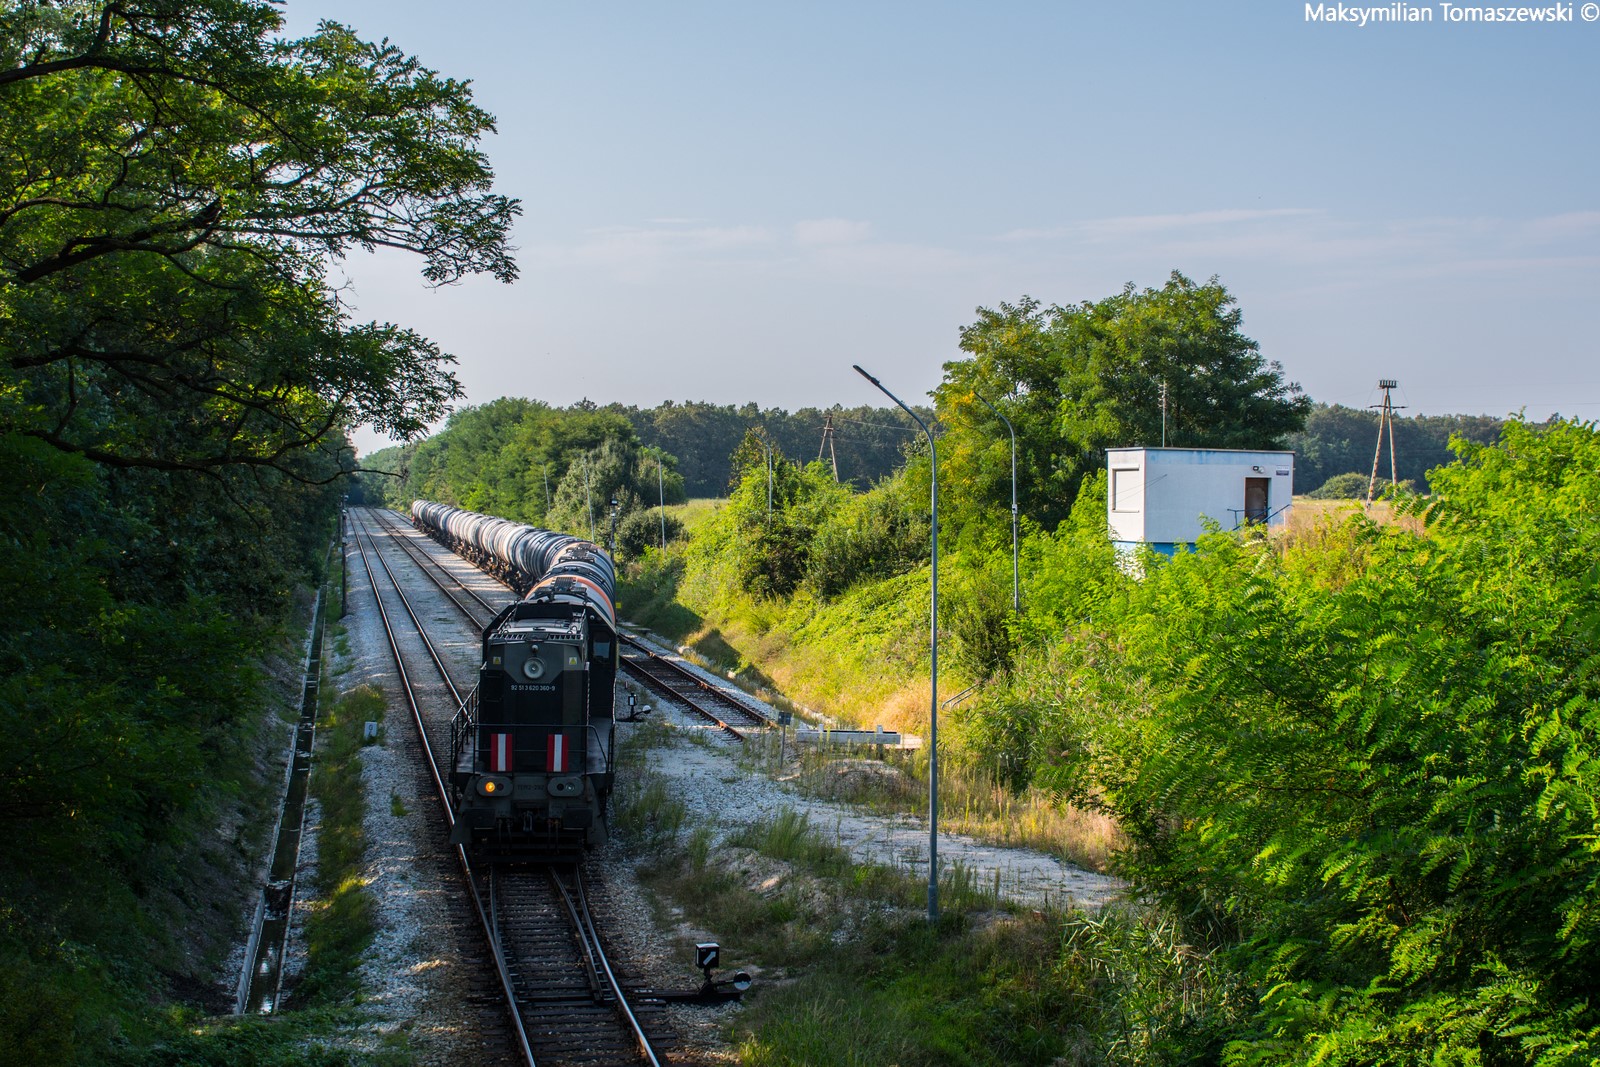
<point>1257,499</point>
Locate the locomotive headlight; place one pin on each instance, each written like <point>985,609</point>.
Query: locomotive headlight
<point>533,669</point>
<point>494,787</point>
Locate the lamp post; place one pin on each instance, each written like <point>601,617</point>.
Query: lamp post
<point>1016,581</point>
<point>933,642</point>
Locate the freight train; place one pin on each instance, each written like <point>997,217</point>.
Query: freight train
<point>531,748</point>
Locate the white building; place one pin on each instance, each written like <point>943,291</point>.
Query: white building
<point>1162,497</point>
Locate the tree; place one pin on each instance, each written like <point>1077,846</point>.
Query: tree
<point>1076,380</point>
<point>616,469</point>
<point>176,183</point>
<point>177,373</point>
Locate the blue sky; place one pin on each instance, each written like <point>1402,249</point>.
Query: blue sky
<point>736,202</point>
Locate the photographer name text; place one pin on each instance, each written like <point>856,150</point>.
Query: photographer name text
<point>1354,15</point>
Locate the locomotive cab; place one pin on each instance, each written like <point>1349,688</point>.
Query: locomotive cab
<point>534,759</point>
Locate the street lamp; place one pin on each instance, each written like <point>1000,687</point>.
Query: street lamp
<point>933,641</point>
<point>1016,582</point>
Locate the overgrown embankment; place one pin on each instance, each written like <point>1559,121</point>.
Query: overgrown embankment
<point>1356,766</point>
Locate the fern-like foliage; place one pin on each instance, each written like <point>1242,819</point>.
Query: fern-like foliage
<point>1367,765</point>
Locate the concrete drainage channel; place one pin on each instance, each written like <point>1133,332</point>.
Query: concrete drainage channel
<point>261,984</point>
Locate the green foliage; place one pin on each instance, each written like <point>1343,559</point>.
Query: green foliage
<point>794,527</point>
<point>177,376</point>
<point>906,993</point>
<point>177,180</point>
<point>344,919</point>
<point>644,529</point>
<point>1350,486</point>
<point>1356,766</point>
<point>1078,379</point>
<point>1157,999</point>
<point>288,1039</point>
<point>1366,766</point>
<point>616,470</point>
<point>765,537</point>
<point>648,813</point>
<point>551,467</point>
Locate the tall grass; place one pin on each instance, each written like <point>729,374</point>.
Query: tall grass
<point>972,799</point>
<point>343,917</point>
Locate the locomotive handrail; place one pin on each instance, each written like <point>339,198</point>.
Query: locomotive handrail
<point>598,747</point>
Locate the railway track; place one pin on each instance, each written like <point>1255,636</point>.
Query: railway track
<point>572,1002</point>
<point>642,663</point>
<point>700,696</point>
<point>400,533</point>
<point>544,1021</point>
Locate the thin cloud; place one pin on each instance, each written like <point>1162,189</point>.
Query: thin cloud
<point>1134,225</point>
<point>813,232</point>
<point>1317,242</point>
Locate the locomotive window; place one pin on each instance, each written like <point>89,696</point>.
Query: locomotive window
<point>602,650</point>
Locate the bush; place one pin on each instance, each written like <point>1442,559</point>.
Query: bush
<point>1353,486</point>
<point>1376,786</point>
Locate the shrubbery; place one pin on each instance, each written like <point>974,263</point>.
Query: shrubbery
<point>1364,765</point>
<point>1357,764</point>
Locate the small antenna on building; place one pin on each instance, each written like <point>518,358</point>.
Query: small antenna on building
<point>1163,413</point>
<point>1385,421</point>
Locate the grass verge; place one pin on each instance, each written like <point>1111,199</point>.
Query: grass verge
<point>849,972</point>
<point>342,921</point>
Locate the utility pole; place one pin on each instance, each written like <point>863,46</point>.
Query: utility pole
<point>1385,421</point>
<point>661,488</point>
<point>547,491</point>
<point>588,499</point>
<point>827,444</point>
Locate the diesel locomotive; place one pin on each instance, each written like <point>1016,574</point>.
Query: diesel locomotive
<point>532,747</point>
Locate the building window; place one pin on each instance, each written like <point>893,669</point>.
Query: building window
<point>1127,489</point>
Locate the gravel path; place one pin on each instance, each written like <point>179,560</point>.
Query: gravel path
<point>721,793</point>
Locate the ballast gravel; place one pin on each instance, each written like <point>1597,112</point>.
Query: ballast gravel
<point>413,980</point>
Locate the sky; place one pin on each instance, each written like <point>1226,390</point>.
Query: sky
<point>735,202</point>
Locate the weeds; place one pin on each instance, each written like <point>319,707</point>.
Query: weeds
<point>972,801</point>
<point>647,813</point>
<point>342,922</point>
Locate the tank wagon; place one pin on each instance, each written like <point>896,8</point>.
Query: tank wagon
<point>531,748</point>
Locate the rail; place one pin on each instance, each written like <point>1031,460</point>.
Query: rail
<point>502,969</point>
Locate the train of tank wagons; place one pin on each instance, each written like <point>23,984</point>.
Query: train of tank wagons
<point>532,754</point>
